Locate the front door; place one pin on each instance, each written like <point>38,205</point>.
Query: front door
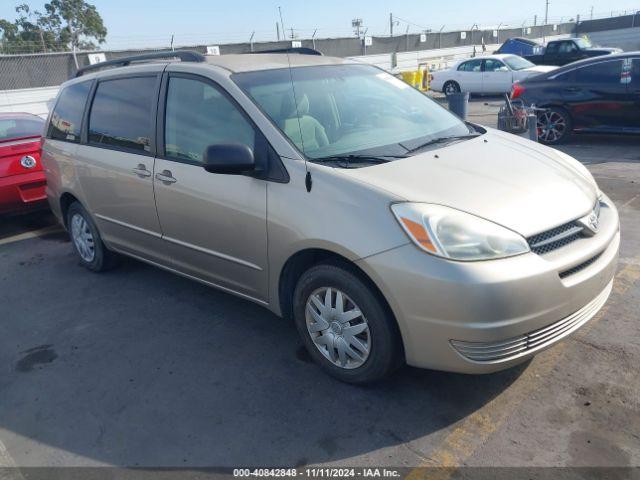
<point>115,167</point>
<point>214,225</point>
<point>496,77</point>
<point>599,96</point>
<point>633,93</point>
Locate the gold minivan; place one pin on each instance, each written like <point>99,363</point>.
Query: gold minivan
<point>334,194</point>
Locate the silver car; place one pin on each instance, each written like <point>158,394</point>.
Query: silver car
<point>334,194</point>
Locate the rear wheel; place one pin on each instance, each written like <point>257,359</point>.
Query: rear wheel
<point>554,126</point>
<point>344,326</point>
<point>86,240</point>
<point>451,87</point>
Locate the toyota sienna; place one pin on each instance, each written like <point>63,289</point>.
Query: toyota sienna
<point>336,195</point>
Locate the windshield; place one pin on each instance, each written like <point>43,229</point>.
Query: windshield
<point>518,63</point>
<point>583,43</point>
<point>20,127</point>
<point>335,110</point>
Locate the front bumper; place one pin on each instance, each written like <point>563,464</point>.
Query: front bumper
<point>480,317</point>
<point>22,192</point>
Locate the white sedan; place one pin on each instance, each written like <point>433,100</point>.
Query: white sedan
<point>487,74</point>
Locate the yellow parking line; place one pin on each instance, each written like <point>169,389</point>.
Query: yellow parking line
<point>32,234</point>
<point>473,431</point>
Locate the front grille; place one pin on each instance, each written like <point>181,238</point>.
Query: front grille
<point>514,347</point>
<point>560,236</point>
<point>579,267</point>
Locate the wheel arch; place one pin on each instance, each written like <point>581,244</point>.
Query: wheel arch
<point>66,199</point>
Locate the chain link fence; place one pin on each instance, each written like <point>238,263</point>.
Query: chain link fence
<point>35,70</point>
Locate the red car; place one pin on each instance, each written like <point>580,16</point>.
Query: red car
<point>22,181</point>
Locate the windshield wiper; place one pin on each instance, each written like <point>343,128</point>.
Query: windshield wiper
<point>435,141</point>
<point>351,159</point>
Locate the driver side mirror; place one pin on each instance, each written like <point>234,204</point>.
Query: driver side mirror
<point>229,158</point>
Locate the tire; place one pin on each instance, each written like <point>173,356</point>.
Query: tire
<point>450,87</point>
<point>87,242</point>
<point>554,126</point>
<point>324,341</point>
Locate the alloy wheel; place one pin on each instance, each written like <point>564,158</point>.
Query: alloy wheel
<point>552,126</point>
<point>338,328</point>
<point>83,238</point>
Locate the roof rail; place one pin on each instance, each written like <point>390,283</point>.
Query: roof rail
<point>183,55</point>
<point>298,50</point>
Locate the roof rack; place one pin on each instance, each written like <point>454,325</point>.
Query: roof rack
<point>298,50</point>
<point>183,55</point>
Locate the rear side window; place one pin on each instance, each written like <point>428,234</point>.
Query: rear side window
<point>66,119</point>
<point>601,73</point>
<point>121,114</point>
<point>470,66</point>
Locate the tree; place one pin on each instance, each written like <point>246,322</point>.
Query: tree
<point>64,25</point>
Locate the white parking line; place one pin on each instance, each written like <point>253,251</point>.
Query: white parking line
<point>8,468</point>
<point>32,234</point>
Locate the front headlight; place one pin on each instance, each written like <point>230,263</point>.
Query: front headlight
<point>456,235</point>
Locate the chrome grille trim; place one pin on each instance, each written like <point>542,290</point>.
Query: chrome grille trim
<point>515,347</point>
<point>559,236</point>
<point>579,267</point>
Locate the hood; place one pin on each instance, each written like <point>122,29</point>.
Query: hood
<point>511,181</point>
<point>539,69</point>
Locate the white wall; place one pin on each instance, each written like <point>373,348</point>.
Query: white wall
<point>437,58</point>
<point>30,100</point>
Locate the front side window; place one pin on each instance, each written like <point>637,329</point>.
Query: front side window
<point>199,115</point>
<point>601,73</point>
<point>567,47</point>
<point>121,114</point>
<point>492,65</point>
<point>66,118</point>
<point>335,110</point>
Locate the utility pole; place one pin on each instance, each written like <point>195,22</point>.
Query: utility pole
<point>282,23</point>
<point>591,12</point>
<point>546,13</point>
<point>391,24</point>
<point>278,30</point>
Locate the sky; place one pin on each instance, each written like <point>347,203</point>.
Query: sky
<point>151,23</point>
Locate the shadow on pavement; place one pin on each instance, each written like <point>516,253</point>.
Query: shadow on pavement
<point>141,367</point>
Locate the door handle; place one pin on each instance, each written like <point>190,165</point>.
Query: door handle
<point>165,177</point>
<point>141,171</point>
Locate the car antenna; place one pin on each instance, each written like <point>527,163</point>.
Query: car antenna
<point>307,179</point>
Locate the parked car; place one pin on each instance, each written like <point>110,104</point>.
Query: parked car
<point>22,181</point>
<point>490,74</point>
<point>562,52</point>
<point>332,193</point>
<point>597,95</point>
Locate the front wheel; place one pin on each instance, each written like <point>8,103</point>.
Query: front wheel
<point>554,126</point>
<point>344,326</point>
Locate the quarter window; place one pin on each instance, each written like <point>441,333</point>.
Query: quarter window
<point>66,119</point>
<point>199,115</point>
<point>121,114</point>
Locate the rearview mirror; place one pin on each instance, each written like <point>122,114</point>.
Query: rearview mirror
<point>230,158</point>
